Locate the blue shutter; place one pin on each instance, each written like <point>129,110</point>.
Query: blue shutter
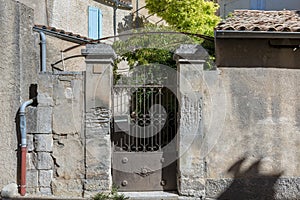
<point>93,23</point>
<point>253,4</point>
<point>258,4</point>
<point>99,23</point>
<point>262,5</point>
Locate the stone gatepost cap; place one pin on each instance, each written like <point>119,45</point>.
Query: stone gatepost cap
<point>99,51</point>
<point>191,52</point>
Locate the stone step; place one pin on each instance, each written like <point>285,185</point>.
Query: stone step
<point>150,195</point>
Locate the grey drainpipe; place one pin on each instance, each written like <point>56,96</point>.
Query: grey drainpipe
<point>23,121</point>
<point>23,145</point>
<point>43,51</point>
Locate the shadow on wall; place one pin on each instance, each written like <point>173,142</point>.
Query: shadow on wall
<point>131,22</point>
<point>250,184</point>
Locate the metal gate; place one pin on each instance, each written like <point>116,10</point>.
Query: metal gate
<point>144,136</point>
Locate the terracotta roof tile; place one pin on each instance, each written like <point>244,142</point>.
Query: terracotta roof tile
<point>63,34</point>
<point>257,20</point>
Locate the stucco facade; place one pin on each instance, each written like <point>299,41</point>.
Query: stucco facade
<point>72,16</point>
<point>238,127</point>
<point>18,71</point>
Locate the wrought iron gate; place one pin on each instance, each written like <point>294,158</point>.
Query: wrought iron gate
<point>144,136</point>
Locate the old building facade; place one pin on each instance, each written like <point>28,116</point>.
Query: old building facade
<point>236,134</point>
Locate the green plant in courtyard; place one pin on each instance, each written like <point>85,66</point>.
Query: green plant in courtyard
<point>192,16</point>
<point>113,195</point>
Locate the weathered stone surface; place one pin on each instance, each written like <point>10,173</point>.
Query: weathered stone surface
<point>45,100</point>
<point>287,188</point>
<point>98,113</point>
<point>261,122</point>
<point>67,188</point>
<point>214,188</point>
<point>97,122</point>
<point>30,145</point>
<point>45,89</point>
<point>191,167</point>
<point>44,161</point>
<point>31,120</point>
<point>46,191</point>
<point>44,120</point>
<point>191,52</point>
<point>97,185</point>
<point>69,157</point>
<point>45,178</point>
<point>43,142</point>
<point>31,161</point>
<point>32,179</point>
<point>67,112</point>
<point>98,157</point>
<point>253,188</point>
<point>10,190</point>
<point>191,186</point>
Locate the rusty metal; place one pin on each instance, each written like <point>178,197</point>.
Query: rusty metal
<point>144,123</point>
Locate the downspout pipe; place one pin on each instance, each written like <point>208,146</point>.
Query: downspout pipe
<point>23,145</point>
<point>43,51</point>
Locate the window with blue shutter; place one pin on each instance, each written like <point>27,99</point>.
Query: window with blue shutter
<point>258,4</point>
<point>95,23</point>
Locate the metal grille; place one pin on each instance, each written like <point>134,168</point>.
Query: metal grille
<point>144,118</point>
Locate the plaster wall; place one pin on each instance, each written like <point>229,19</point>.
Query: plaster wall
<point>18,70</point>
<point>256,150</point>
<point>72,15</point>
<point>54,48</point>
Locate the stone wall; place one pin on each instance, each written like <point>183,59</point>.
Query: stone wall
<point>55,158</point>
<point>18,70</point>
<point>238,134</point>
<point>255,154</point>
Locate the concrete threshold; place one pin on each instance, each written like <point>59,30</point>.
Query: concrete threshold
<point>156,195</point>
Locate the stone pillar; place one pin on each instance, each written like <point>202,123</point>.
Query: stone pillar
<point>191,166</point>
<point>40,164</point>
<point>98,83</point>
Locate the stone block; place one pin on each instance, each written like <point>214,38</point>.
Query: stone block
<point>45,100</point>
<point>67,188</point>
<point>69,157</point>
<point>214,188</point>
<point>31,119</point>
<point>32,179</point>
<point>32,191</point>
<point>191,186</point>
<point>98,157</point>
<point>46,191</point>
<point>44,120</point>
<point>67,111</point>
<point>44,161</point>
<point>30,145</point>
<point>97,185</point>
<point>45,89</point>
<point>45,178</point>
<point>31,161</point>
<point>43,142</point>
